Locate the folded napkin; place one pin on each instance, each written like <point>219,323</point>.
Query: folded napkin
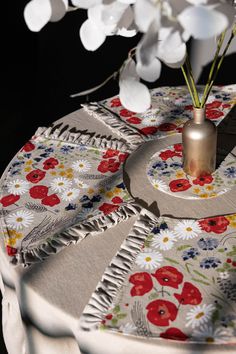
<point>171,279</point>
<point>59,188</point>
<point>171,108</point>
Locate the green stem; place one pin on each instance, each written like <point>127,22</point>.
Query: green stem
<point>190,74</point>
<point>219,65</point>
<point>188,84</point>
<point>219,45</point>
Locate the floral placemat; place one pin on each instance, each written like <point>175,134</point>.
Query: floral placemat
<point>165,173</point>
<point>60,187</point>
<point>172,279</point>
<point>171,108</point>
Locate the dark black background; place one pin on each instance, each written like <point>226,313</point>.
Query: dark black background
<point>41,70</point>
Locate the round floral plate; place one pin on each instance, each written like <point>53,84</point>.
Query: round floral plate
<point>166,174</point>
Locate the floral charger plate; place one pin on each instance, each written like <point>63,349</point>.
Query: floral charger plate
<point>165,173</point>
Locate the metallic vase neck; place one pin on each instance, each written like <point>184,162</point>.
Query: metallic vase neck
<point>198,115</point>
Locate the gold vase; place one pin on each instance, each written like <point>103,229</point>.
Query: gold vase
<point>199,145</point>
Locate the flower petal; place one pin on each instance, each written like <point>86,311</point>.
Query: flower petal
<point>59,8</point>
<point>147,47</point>
<point>127,1</point>
<point>37,13</point>
<point>126,19</point>
<point>91,35</point>
<point>149,72</point>
<point>172,50</point>
<point>145,12</point>
<point>134,95</point>
<point>197,2</point>
<point>85,4</point>
<point>203,22</point>
<point>126,33</point>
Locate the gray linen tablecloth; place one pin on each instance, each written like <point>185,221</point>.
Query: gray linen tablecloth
<point>42,303</point>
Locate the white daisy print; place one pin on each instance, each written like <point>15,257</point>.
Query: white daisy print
<point>20,219</point>
<point>199,315</point>
<point>128,328</point>
<point>224,275</point>
<point>70,194</point>
<point>80,183</point>
<point>81,165</point>
<point>18,187</point>
<point>187,229</point>
<point>209,334</point>
<point>152,120</point>
<point>158,184</point>
<point>60,184</point>
<point>164,240</point>
<point>149,259</point>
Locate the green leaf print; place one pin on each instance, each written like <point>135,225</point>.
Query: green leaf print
<point>114,321</point>
<point>215,316</point>
<point>183,247</point>
<point>120,316</point>
<point>153,296</point>
<point>221,250</point>
<point>200,274</point>
<point>200,281</point>
<point>116,309</point>
<point>171,260</point>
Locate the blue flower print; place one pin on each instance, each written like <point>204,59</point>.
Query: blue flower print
<point>230,172</point>
<point>160,165</point>
<point>66,149</point>
<point>208,244</point>
<point>71,206</point>
<point>210,262</point>
<point>176,165</point>
<point>17,163</point>
<point>157,229</point>
<point>190,253</point>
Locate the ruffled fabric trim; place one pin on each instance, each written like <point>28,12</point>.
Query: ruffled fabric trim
<point>113,121</point>
<point>82,137</point>
<point>74,234</point>
<point>114,276</point>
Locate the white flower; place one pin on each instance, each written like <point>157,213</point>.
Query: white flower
<point>70,194</point>
<point>224,275</point>
<point>153,120</point>
<point>209,334</point>
<point>199,315</point>
<point>80,183</point>
<point>128,328</point>
<point>159,184</point>
<point>18,187</point>
<point>149,259</point>
<point>164,240</point>
<point>20,219</point>
<point>81,165</point>
<point>187,229</point>
<point>60,184</point>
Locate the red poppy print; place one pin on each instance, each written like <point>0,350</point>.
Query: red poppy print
<point>123,157</point>
<point>35,176</point>
<point>179,129</point>
<point>213,114</point>
<point>110,153</point>
<point>107,208</point>
<point>214,104</point>
<point>189,107</point>
<point>117,200</point>
<point>148,130</point>
<point>11,251</point>
<point>161,312</point>
<point>9,200</point>
<point>110,165</point>
<point>134,120</point>
<point>126,113</point>
<point>109,316</point>
<point>174,334</point>
<point>166,127</point>
<point>218,224</point>
<point>115,102</point>
<point>38,192</point>
<point>179,185</point>
<point>28,147</point>
<point>226,105</point>
<point>50,163</point>
<point>51,200</point>
<point>142,283</point>
<point>203,180</point>
<point>168,276</point>
<point>190,295</point>
<point>167,154</point>
<point>178,147</point>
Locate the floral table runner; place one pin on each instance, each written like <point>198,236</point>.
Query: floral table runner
<point>171,108</point>
<point>171,279</point>
<point>165,173</point>
<point>60,187</point>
